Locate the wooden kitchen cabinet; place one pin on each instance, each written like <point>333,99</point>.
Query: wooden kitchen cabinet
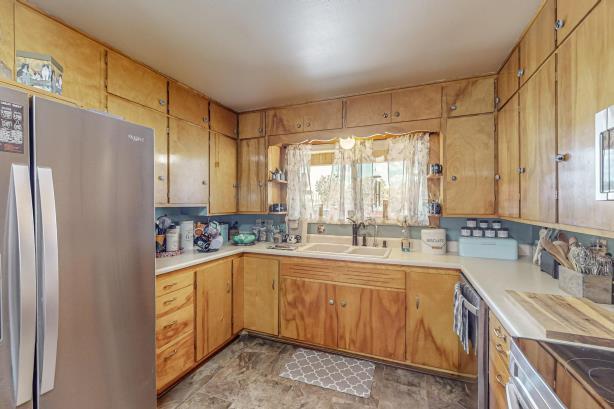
<point>282,121</point>
<point>469,97</point>
<point>507,80</point>
<point>585,86</point>
<point>370,109</point>
<point>237,295</point>
<point>222,174</point>
<point>252,175</point>
<point>261,294</point>
<point>416,103</point>
<point>213,306</point>
<point>469,165</point>
<point>158,121</point>
<point>174,361</point>
<point>538,146</point>
<point>135,82</point>
<point>498,377</point>
<point>81,58</point>
<point>431,341</point>
<point>320,116</point>
<point>508,160</point>
<point>223,120</point>
<point>252,124</point>
<point>572,393</point>
<point>189,163</point>
<point>184,103</point>
<point>568,14</point>
<point>539,41</point>
<point>7,39</point>
<point>308,312</point>
<point>371,321</point>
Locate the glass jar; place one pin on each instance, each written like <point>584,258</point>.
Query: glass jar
<point>490,233</point>
<point>503,233</point>
<point>496,224</point>
<point>483,224</point>
<point>477,233</point>
<point>465,232</point>
<point>472,223</point>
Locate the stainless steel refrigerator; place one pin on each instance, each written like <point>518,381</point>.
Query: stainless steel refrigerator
<point>77,258</point>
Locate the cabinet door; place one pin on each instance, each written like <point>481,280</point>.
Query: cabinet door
<point>323,115</point>
<point>416,103</point>
<point>573,393</point>
<point>7,39</point>
<point>538,42</point>
<point>431,341</point>
<point>135,82</point>
<point>538,146</point>
<point>585,87</point>
<point>138,114</point>
<point>469,167</point>
<point>284,121</point>
<point>498,377</point>
<point>568,14</point>
<point>251,124</point>
<point>469,97</point>
<point>261,286</point>
<point>189,163</point>
<point>252,175</point>
<point>213,306</point>
<point>307,311</point>
<point>369,109</point>
<point>81,57</point>
<point>237,295</point>
<point>186,104</point>
<point>223,174</point>
<point>508,81</point>
<point>223,120</point>
<point>371,321</point>
<point>508,160</point>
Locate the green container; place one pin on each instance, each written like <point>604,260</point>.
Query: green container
<point>244,238</point>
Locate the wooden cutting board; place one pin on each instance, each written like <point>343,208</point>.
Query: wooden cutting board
<point>569,318</point>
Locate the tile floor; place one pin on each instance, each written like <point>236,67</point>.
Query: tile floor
<point>245,375</point>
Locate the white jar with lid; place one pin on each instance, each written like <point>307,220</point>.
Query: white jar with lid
<point>187,235</point>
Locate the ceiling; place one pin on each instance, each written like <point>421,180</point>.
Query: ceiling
<point>251,54</point>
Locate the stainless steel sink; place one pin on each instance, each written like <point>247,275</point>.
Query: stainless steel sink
<point>345,249</point>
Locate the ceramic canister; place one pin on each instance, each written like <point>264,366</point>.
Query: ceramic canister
<point>433,241</point>
<point>187,235</point>
<point>172,239</point>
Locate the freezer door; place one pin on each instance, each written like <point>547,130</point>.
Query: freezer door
<point>17,271</point>
<point>94,212</point>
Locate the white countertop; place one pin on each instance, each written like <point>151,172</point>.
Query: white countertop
<point>490,278</point>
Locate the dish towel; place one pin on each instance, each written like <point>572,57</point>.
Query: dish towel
<point>466,307</point>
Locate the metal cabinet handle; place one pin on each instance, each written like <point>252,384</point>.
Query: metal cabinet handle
<point>343,303</point>
<point>498,333</point>
<point>162,102</point>
<point>497,177</point>
<point>386,114</point>
<point>520,72</point>
<point>453,178</point>
<point>331,301</point>
<point>205,119</point>
<point>453,107</point>
<point>559,24</point>
<point>273,284</point>
<point>169,286</point>
<point>228,287</point>
<point>417,302</point>
<point>170,324</point>
<point>172,354</point>
<point>500,349</point>
<point>161,178</point>
<point>499,379</point>
<point>168,302</point>
<point>561,157</point>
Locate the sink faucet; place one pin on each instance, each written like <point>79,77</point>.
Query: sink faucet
<point>372,222</point>
<point>355,228</point>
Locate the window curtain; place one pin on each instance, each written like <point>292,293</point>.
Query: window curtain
<point>351,183</point>
<point>299,201</point>
<point>408,157</point>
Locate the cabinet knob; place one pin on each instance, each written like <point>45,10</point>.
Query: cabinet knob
<point>520,72</point>
<point>260,131</point>
<point>453,107</point>
<point>397,114</point>
<point>343,304</point>
<point>331,301</point>
<point>386,114</point>
<point>417,302</point>
<point>453,178</point>
<point>497,177</point>
<point>299,126</point>
<point>161,178</point>
<point>204,183</point>
<point>522,170</point>
<point>162,102</point>
<point>273,284</point>
<point>307,124</point>
<point>205,119</point>
<point>559,24</point>
<point>561,157</point>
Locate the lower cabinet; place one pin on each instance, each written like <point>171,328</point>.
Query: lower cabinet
<point>174,361</point>
<point>237,295</point>
<point>261,294</point>
<point>213,306</point>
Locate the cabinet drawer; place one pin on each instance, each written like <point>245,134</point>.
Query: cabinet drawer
<point>499,339</point>
<point>343,272</point>
<point>174,325</point>
<point>167,283</point>
<point>173,361</point>
<point>174,301</point>
<point>498,376</point>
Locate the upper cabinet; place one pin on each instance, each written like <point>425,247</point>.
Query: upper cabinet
<point>508,81</point>
<point>135,82</point>
<point>223,174</point>
<point>469,97</point>
<point>141,115</point>
<point>223,120</point>
<point>7,38</point>
<point>370,109</point>
<point>416,103</point>
<point>251,124</point>
<point>183,103</point>
<point>538,42</point>
<point>508,160</point>
<point>318,116</point>
<point>585,86</point>
<point>81,58</point>
<point>252,175</point>
<point>469,167</point>
<point>568,15</point>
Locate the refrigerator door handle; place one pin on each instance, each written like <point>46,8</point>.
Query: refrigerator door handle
<point>50,276</point>
<point>21,265</point>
